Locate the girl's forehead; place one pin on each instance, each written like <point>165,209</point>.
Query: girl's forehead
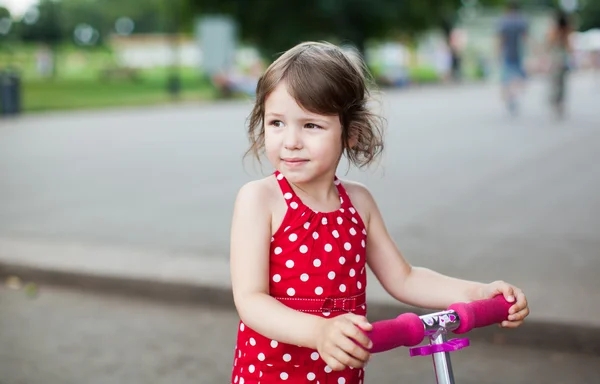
<point>280,101</point>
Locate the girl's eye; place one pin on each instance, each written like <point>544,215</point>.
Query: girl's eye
<point>276,123</point>
<point>313,126</point>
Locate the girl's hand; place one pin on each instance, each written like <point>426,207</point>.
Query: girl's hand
<point>512,294</point>
<point>339,341</point>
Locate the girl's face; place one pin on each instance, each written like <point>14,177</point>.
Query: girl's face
<point>304,146</point>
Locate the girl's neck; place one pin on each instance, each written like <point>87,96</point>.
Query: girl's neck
<point>320,192</point>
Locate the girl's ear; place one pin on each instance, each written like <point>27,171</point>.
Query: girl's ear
<point>352,136</point>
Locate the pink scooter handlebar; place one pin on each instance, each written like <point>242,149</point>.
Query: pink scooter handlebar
<point>481,313</point>
<point>408,329</point>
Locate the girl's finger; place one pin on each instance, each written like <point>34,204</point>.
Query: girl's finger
<point>509,293</point>
<point>345,360</point>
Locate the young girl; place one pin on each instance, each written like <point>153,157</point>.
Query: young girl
<point>301,238</point>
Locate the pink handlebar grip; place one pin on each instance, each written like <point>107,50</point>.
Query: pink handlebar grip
<point>481,313</point>
<point>405,330</point>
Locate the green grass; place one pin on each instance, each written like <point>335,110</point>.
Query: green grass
<point>79,83</point>
<point>45,95</point>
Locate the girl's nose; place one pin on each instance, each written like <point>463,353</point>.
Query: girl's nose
<point>293,138</point>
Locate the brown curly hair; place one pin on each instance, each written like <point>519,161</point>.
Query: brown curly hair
<point>325,80</point>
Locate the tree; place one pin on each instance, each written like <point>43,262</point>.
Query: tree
<point>274,27</point>
<point>47,27</point>
<point>590,15</point>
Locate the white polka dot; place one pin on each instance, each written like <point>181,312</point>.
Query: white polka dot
<point>280,176</point>
<point>352,210</point>
<point>277,278</point>
<point>286,228</point>
<point>241,380</point>
<point>337,182</point>
<point>306,225</point>
<point>342,210</point>
<point>304,277</point>
<point>242,327</point>
<point>314,356</point>
<point>251,368</point>
<point>293,237</point>
<point>328,247</point>
<point>235,380</point>
<point>359,284</point>
<point>317,263</point>
<point>347,246</point>
<point>303,249</point>
<point>289,264</point>
<point>357,258</point>
<point>340,220</point>
<point>261,356</point>
<point>352,231</point>
<point>342,288</point>
<point>363,243</point>
<point>342,260</point>
<point>324,221</point>
<point>362,270</point>
<point>331,275</point>
<point>287,357</point>
<point>274,343</point>
<point>311,376</point>
<point>328,369</point>
<point>352,272</point>
<point>364,231</point>
<point>252,341</point>
<point>278,250</point>
<point>294,205</point>
<point>239,354</point>
<point>335,233</point>
<point>319,291</point>
<point>326,314</point>
<point>315,235</point>
<point>287,196</point>
<point>283,376</point>
<point>354,220</point>
<point>291,291</point>
<point>260,374</point>
<point>341,380</point>
<point>272,239</point>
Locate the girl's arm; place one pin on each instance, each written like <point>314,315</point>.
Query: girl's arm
<point>416,286</point>
<point>249,258</point>
<point>423,287</point>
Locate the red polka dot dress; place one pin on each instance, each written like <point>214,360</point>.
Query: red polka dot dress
<point>317,266</point>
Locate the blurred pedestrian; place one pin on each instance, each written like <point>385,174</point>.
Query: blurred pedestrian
<point>512,37</point>
<point>559,49</point>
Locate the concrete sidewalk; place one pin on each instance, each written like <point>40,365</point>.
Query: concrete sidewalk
<point>205,280</point>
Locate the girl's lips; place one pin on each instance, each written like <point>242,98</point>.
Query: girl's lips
<point>294,162</point>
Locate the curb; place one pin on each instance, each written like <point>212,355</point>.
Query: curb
<point>561,337</point>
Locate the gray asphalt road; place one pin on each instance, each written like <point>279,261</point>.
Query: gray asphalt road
<point>464,188</point>
<point>69,337</point>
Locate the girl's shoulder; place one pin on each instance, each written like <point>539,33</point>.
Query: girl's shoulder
<point>264,191</point>
<point>360,197</point>
<point>358,192</point>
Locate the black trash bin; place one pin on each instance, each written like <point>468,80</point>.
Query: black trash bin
<point>10,93</point>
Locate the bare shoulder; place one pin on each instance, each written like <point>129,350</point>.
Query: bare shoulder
<point>258,193</point>
<point>358,192</point>
<point>361,198</point>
